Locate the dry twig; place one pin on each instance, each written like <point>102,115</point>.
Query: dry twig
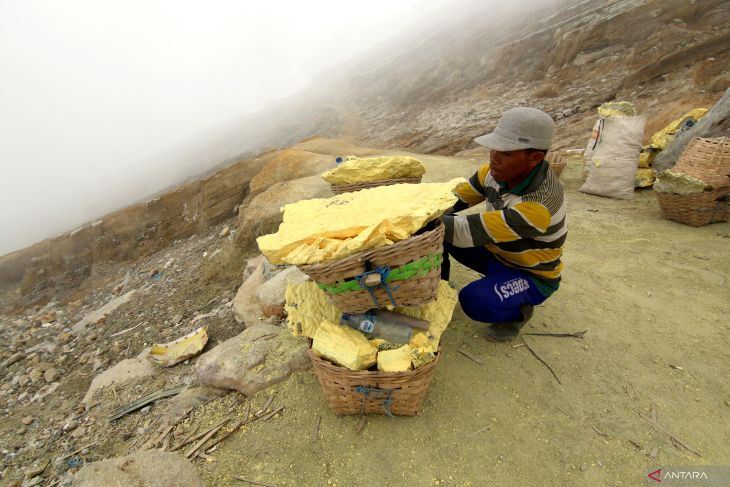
<point>253,482</point>
<point>470,356</point>
<point>540,359</point>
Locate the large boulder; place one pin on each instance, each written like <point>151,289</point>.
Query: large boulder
<point>715,123</point>
<point>254,360</point>
<point>153,468</point>
<point>263,213</point>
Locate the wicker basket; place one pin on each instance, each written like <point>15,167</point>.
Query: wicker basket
<point>405,273</point>
<point>696,209</point>
<point>350,188</point>
<point>707,159</point>
<point>364,391</point>
<point>557,162</point>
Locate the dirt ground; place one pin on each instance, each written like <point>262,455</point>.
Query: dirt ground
<point>650,294</point>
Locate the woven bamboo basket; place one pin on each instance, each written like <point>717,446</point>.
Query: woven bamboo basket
<point>350,188</point>
<point>557,162</point>
<point>696,209</point>
<point>365,391</point>
<point>405,273</point>
<point>708,160</point>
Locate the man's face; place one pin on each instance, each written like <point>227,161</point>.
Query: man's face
<point>513,166</point>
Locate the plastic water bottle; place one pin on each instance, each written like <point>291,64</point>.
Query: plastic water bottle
<point>381,323</point>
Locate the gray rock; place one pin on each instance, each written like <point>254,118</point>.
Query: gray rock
<point>271,294</point>
<point>153,468</point>
<point>123,371</point>
<point>257,358</point>
<point>263,215</point>
<point>715,123</point>
<point>246,306</point>
<point>51,375</point>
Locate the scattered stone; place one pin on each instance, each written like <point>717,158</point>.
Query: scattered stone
<point>17,356</point>
<point>51,375</point>
<point>27,420</point>
<point>79,432</point>
<point>123,371</point>
<point>36,470</point>
<point>143,469</point>
<point>257,358</point>
<point>33,482</point>
<point>45,391</point>
<point>101,313</point>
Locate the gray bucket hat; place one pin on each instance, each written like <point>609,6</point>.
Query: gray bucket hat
<point>520,128</point>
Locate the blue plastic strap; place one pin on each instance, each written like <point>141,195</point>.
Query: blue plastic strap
<point>384,272</point>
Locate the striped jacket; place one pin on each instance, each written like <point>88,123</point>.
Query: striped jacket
<point>524,227</point>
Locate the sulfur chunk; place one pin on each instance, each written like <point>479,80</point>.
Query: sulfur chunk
<point>344,346</point>
<point>357,170</point>
<point>306,307</point>
<point>325,230</point>
<point>397,360</point>
<point>438,312</point>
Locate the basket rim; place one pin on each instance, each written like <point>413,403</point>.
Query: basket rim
<point>331,368</point>
<point>368,254</point>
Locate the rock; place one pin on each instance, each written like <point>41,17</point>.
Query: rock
<point>35,470</point>
<point>246,306</point>
<point>224,233</point>
<point>27,420</point>
<point>153,468</point>
<point>17,356</point>
<point>344,346</point>
<point>272,293</point>
<point>38,480</point>
<point>189,399</point>
<point>715,123</point>
<point>45,391</point>
<point>263,216</point>
<point>123,371</point>
<point>79,432</point>
<point>103,312</point>
<point>251,266</point>
<point>255,359</point>
<point>51,375</point>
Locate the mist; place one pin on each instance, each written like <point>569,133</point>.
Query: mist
<point>101,102</point>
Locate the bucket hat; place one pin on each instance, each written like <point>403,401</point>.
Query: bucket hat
<point>520,128</point>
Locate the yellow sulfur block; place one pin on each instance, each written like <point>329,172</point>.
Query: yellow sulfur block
<point>438,312</point>
<point>397,360</point>
<point>306,307</point>
<point>344,346</point>
<point>357,170</point>
<point>325,230</point>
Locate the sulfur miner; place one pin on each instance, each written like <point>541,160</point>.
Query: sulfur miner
<point>516,243</point>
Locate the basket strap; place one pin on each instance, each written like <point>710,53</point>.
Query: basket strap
<point>384,272</point>
<point>419,267</point>
<point>366,390</point>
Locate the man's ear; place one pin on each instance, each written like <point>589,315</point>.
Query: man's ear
<point>536,158</point>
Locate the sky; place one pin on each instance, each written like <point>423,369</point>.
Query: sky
<point>94,93</point>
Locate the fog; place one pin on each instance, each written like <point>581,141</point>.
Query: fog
<point>100,100</point>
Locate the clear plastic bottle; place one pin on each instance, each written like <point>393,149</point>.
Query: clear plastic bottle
<point>381,323</point>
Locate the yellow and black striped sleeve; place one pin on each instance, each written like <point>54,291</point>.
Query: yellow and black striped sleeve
<point>520,221</point>
<point>472,192</point>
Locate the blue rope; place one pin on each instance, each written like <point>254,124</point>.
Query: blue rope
<point>366,390</point>
<point>384,272</point>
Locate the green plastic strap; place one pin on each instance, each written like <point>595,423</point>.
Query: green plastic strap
<point>420,267</point>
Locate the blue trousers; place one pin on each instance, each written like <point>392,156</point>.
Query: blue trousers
<point>498,295</point>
